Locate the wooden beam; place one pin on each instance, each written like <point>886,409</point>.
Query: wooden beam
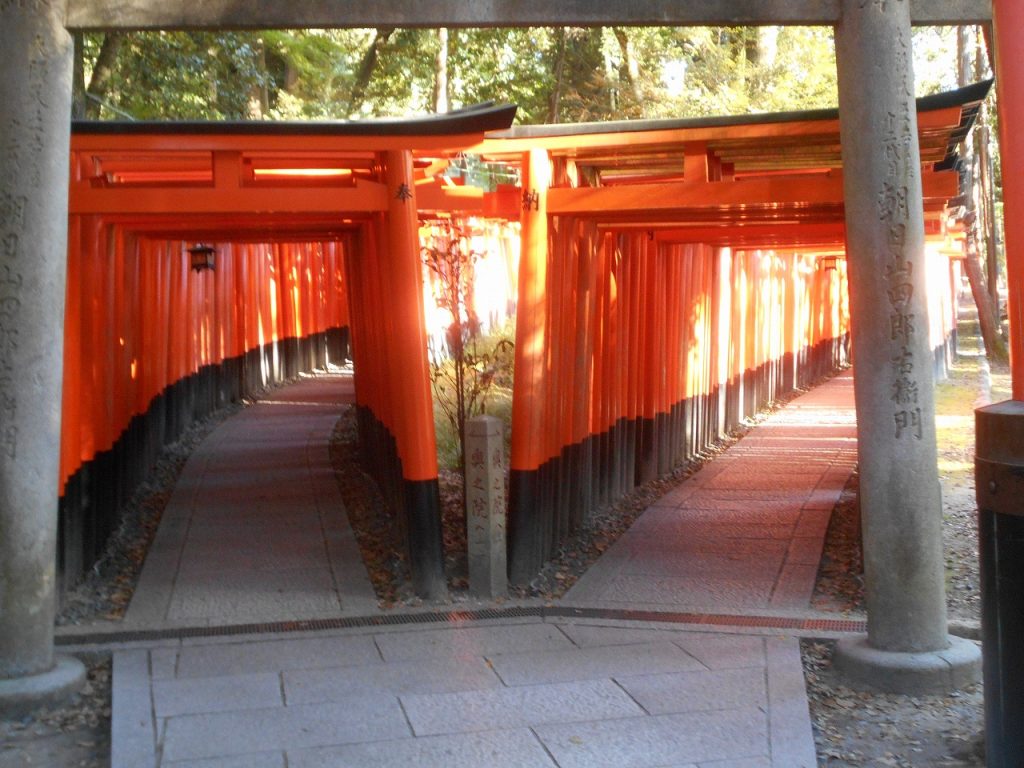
<point>581,145</point>
<point>824,234</point>
<point>267,14</point>
<point>363,198</point>
<point>166,141</point>
<point>435,197</point>
<point>765,192</point>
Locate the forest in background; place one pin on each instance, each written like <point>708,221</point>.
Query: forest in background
<point>554,75</point>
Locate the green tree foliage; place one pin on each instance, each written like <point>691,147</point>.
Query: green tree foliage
<point>176,75</point>
<point>554,75</point>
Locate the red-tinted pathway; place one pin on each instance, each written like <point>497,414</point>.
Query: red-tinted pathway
<point>745,533</point>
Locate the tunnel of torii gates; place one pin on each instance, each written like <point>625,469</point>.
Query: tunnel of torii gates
<point>670,279</point>
<point>673,277</point>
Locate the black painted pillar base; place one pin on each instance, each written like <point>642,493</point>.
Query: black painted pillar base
<point>426,550</point>
<point>525,523</point>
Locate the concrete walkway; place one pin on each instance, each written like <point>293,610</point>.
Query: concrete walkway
<point>255,534</point>
<point>255,530</point>
<point>745,533</point>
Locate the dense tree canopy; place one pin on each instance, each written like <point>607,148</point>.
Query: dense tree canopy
<point>554,75</point>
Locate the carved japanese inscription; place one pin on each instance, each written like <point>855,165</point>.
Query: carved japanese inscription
<point>894,213</point>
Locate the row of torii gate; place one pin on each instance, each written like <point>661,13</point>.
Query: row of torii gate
<point>881,193</point>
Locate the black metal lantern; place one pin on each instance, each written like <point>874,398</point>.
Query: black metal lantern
<point>201,256</point>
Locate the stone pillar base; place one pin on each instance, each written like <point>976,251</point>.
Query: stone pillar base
<point>938,672</point>
<point>20,696</point>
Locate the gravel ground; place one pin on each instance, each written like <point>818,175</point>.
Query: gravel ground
<point>857,728</point>
<point>75,735</point>
<point>852,728</point>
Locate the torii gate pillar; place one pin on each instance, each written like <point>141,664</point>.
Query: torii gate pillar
<point>35,94</point>
<point>907,647</point>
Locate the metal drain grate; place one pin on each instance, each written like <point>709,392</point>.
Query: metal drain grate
<point>460,617</point>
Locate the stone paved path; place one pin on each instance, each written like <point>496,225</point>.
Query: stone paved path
<point>254,534</point>
<point>255,530</point>
<point>522,694</point>
<point>745,533</point>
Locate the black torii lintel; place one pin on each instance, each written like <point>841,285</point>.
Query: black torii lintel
<point>270,14</point>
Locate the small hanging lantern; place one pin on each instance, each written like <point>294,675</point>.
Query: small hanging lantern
<point>201,256</point>
<point>828,263</point>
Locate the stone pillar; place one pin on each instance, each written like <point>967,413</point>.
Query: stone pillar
<point>35,94</point>
<point>907,646</point>
<point>485,507</point>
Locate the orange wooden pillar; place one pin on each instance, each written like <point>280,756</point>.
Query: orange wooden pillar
<point>414,422</point>
<point>582,466</point>
<point>650,365</point>
<point>1009,21</point>
<point>721,339</point>
<point>525,517</point>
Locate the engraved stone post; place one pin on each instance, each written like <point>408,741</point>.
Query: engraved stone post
<point>35,109</point>
<point>485,506</point>
<point>907,643</point>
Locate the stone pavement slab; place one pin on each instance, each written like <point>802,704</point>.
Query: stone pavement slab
<point>518,748</point>
<point>604,694</point>
<point>658,740</point>
<point>587,663</point>
<point>441,675</point>
<point>471,641</point>
<point>529,705</point>
<point>362,718</point>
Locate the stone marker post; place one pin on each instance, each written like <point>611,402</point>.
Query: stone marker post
<point>907,647</point>
<point>485,507</point>
<point>35,112</point>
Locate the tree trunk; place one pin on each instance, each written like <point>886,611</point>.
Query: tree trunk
<point>988,194</point>
<point>988,214</point>
<point>102,72</point>
<point>259,95</point>
<point>78,78</point>
<point>366,68</point>
<point>995,348</point>
<point>441,73</point>
<point>610,82</point>
<point>555,99</point>
<point>987,309</point>
<point>752,47</point>
<point>767,46</point>
<point>632,69</point>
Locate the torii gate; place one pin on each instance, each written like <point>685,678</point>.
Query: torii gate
<point>906,604</point>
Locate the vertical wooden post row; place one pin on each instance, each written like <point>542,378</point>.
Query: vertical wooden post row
<point>635,355</point>
<point>396,414</point>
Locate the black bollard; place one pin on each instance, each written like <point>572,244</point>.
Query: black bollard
<point>999,480</point>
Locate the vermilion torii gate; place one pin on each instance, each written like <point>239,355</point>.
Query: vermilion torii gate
<point>885,245</point>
